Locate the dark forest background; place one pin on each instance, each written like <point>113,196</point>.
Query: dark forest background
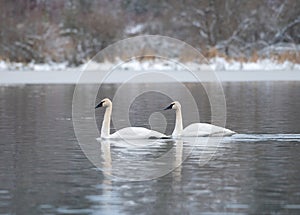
<point>74,31</point>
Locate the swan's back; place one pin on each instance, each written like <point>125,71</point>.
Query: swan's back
<point>136,133</point>
<point>205,129</point>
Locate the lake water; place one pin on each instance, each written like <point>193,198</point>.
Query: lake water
<point>44,171</point>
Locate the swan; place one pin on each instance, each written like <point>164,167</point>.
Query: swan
<point>124,133</point>
<point>195,129</point>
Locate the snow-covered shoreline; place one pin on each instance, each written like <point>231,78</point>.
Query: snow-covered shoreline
<point>53,73</point>
<point>216,63</point>
<point>72,77</point>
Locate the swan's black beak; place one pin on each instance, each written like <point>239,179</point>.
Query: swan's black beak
<point>169,107</point>
<point>99,105</point>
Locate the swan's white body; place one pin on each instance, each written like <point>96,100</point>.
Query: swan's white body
<point>205,129</point>
<point>124,133</point>
<point>195,129</point>
<point>135,133</point>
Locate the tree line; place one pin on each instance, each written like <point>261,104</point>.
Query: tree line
<point>75,30</point>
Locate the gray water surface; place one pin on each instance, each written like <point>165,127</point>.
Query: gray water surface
<point>44,171</point>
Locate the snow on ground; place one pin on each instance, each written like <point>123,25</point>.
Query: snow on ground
<point>216,64</point>
<point>261,65</point>
<point>60,73</point>
<point>13,66</point>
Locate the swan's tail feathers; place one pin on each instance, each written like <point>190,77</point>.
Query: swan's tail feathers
<point>225,133</point>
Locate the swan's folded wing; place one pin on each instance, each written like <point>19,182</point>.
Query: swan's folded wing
<point>136,133</point>
<point>196,130</point>
<point>205,129</point>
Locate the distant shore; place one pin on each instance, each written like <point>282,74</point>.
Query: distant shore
<point>92,77</point>
<point>217,70</point>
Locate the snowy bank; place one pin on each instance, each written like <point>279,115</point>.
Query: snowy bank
<point>51,66</point>
<point>216,64</point>
<point>263,70</point>
<point>261,65</point>
<point>90,77</point>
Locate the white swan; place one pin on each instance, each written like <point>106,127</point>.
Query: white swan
<point>195,129</point>
<point>124,133</point>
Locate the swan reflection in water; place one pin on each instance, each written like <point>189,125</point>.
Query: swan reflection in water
<point>137,160</point>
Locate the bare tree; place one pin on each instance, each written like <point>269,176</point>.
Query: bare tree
<point>75,30</point>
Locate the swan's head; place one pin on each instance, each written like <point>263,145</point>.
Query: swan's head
<point>174,105</point>
<point>104,103</point>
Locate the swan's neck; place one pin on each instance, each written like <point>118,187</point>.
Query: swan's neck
<point>178,124</point>
<point>106,122</point>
